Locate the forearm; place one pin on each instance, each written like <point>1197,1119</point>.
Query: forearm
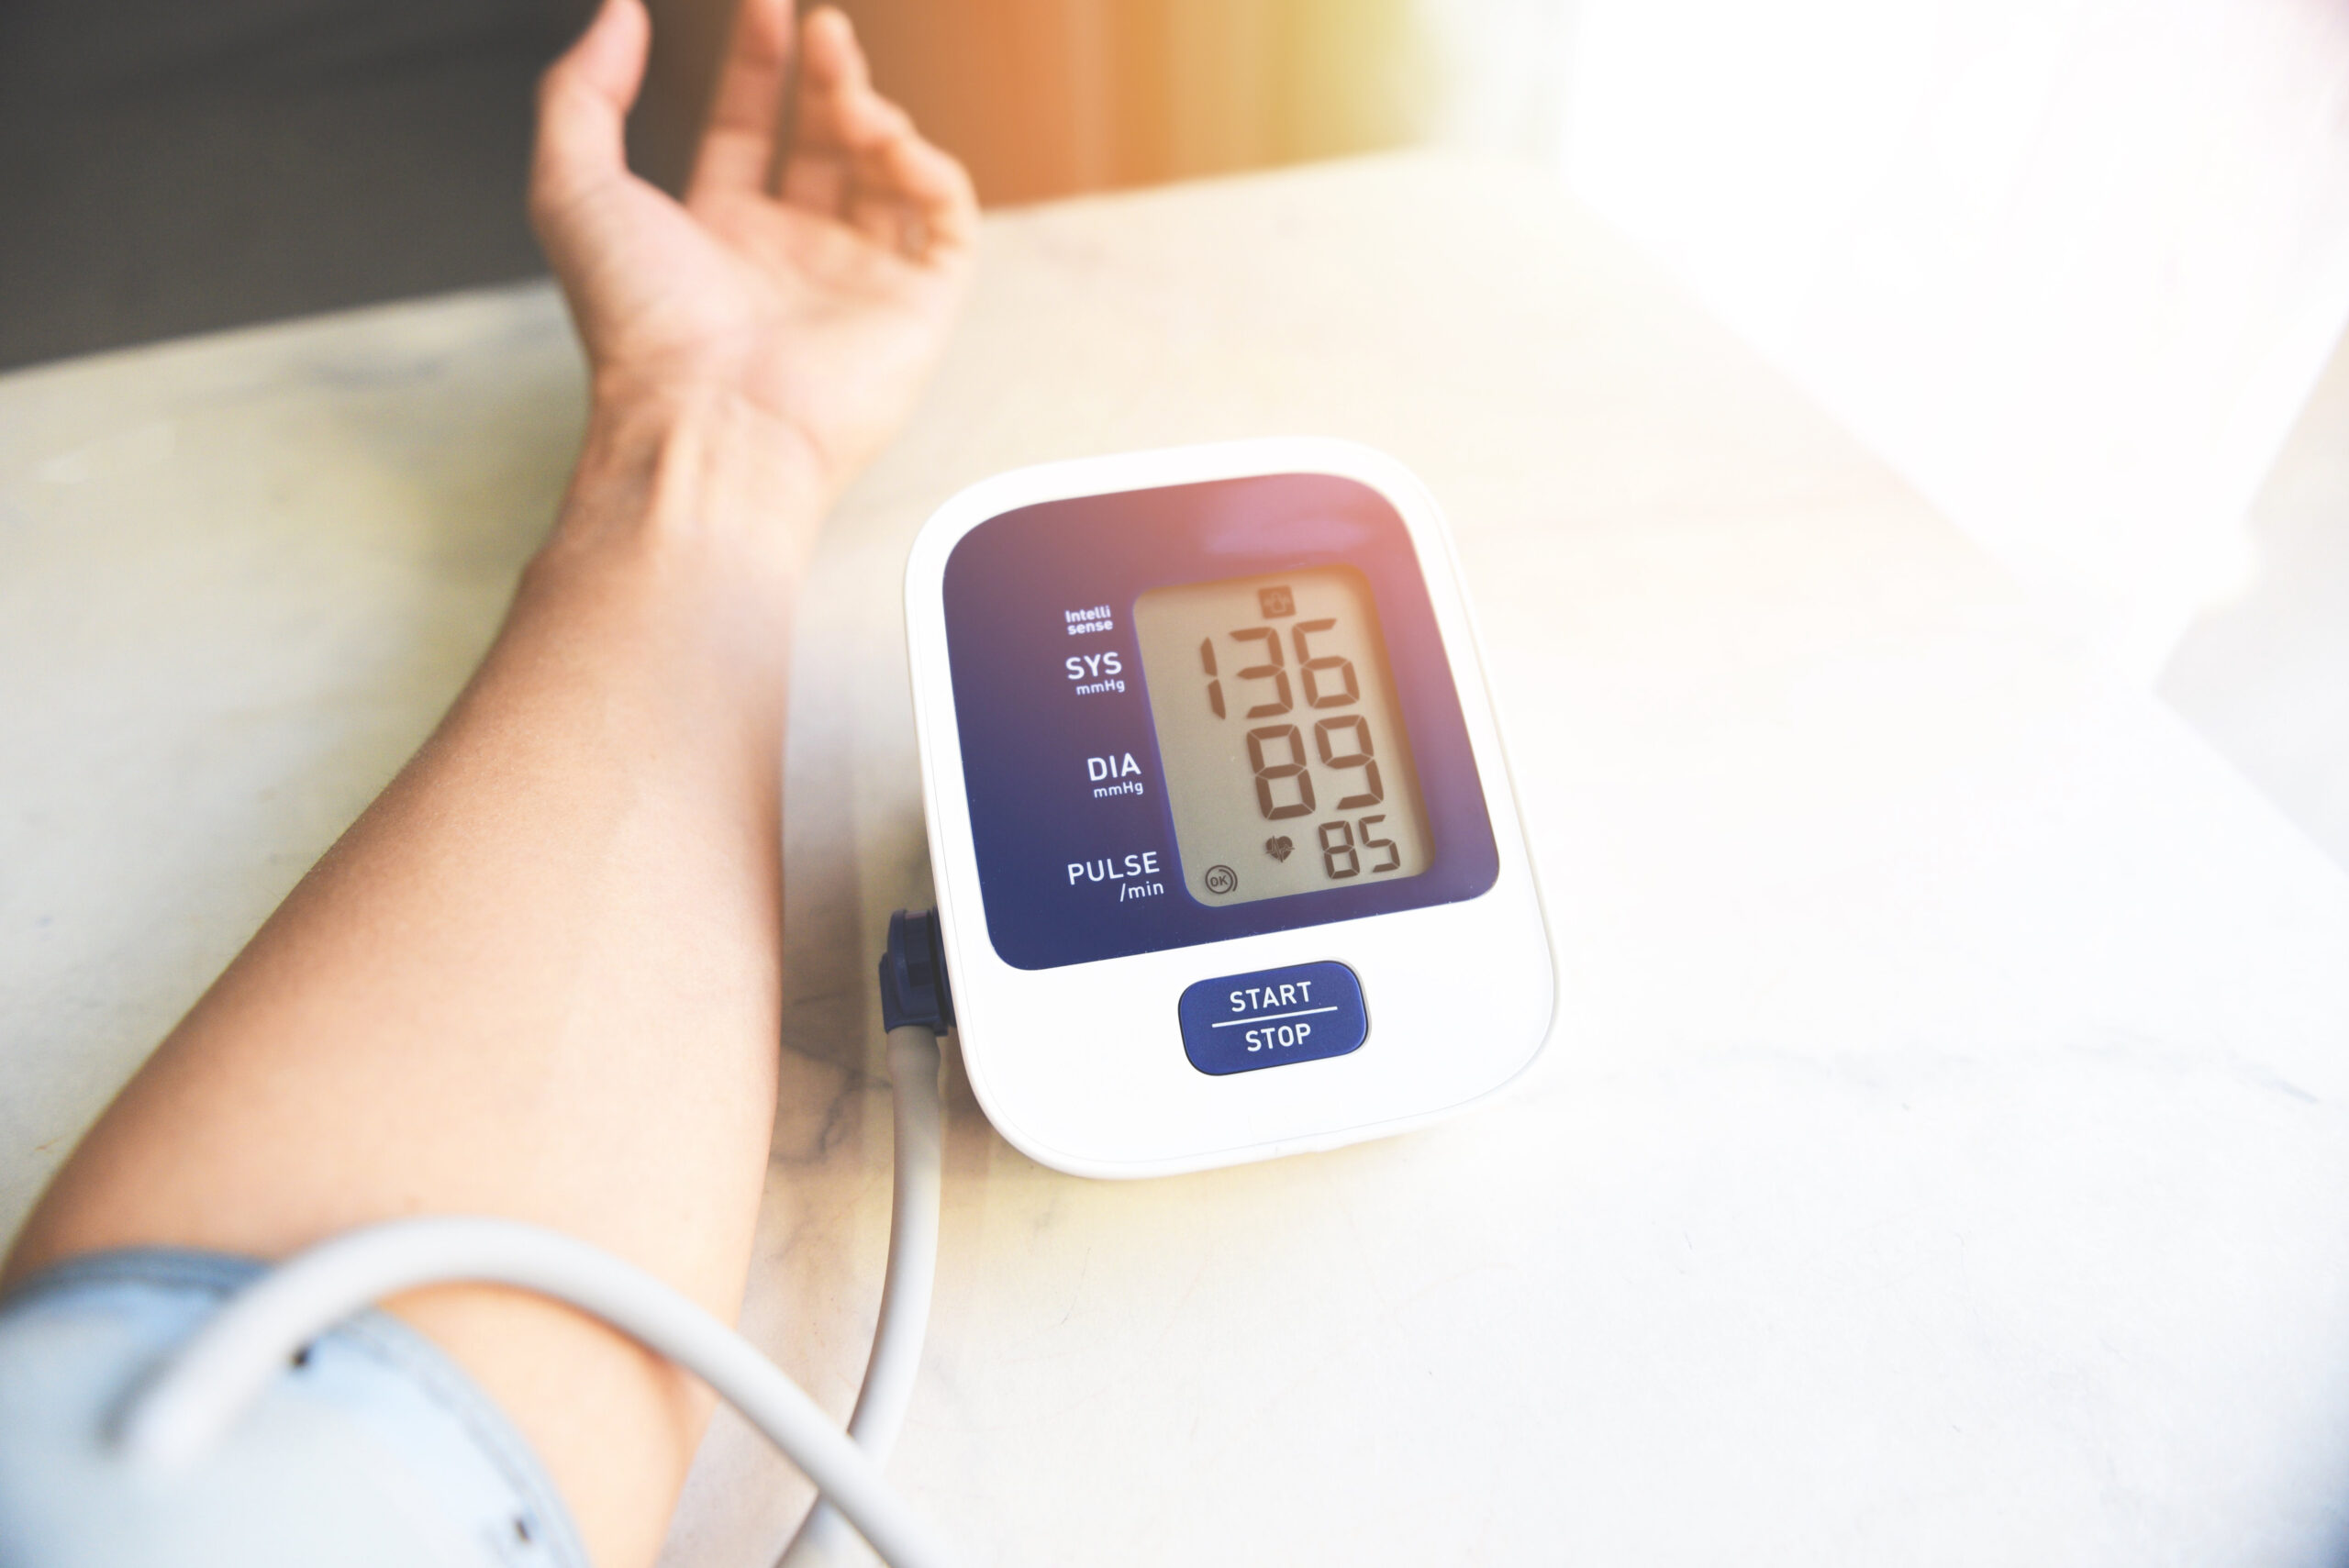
<point>539,977</point>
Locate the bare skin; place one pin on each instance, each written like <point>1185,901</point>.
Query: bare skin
<point>540,977</point>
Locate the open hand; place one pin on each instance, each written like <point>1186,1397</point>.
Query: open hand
<point>811,272</point>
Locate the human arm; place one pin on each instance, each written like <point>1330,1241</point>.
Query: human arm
<point>540,977</point>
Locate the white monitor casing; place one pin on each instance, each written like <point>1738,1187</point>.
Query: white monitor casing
<point>1083,1066</point>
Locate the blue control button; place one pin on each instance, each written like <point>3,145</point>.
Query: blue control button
<point>1293,1014</point>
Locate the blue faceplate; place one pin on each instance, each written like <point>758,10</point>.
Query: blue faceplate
<point>1047,681</point>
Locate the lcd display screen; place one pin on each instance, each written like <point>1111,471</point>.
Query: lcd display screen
<point>1288,767</point>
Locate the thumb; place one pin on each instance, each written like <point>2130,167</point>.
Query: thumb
<point>584,101</point>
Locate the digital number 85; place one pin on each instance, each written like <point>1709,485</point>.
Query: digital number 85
<point>1339,842</point>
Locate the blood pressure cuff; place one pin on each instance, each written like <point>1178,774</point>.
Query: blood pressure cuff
<point>372,1451</point>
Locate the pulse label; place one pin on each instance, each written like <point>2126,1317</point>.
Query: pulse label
<point>1133,875</point>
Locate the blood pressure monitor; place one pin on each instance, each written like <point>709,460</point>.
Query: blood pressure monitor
<point>1226,858</point>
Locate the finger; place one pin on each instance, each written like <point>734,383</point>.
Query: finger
<point>583,100</point>
<point>818,181</point>
<point>892,166</point>
<point>738,145</point>
<point>833,79</point>
<point>878,218</point>
<point>836,110</point>
<point>897,178</point>
<point>928,185</point>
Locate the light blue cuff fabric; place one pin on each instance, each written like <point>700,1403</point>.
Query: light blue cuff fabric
<point>374,1449</point>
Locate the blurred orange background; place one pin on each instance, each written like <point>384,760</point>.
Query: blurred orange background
<point>168,168</point>
<point>1041,98</point>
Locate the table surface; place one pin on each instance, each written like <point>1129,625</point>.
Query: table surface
<point>1940,1156</point>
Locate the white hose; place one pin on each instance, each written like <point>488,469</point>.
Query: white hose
<point>905,1289</point>
<point>224,1367</point>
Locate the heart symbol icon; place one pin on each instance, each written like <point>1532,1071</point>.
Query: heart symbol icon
<point>1278,848</point>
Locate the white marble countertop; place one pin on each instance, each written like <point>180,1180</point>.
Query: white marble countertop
<point>1940,1156</point>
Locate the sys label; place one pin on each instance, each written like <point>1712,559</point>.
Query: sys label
<point>1300,1013</point>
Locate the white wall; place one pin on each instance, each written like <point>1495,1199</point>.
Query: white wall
<point>2071,266</point>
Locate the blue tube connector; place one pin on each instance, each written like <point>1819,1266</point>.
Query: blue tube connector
<point>913,975</point>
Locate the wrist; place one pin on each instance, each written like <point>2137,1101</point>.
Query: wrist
<point>697,487</point>
<point>676,558</point>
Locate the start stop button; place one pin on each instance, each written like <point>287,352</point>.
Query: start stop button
<point>1299,1013</point>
